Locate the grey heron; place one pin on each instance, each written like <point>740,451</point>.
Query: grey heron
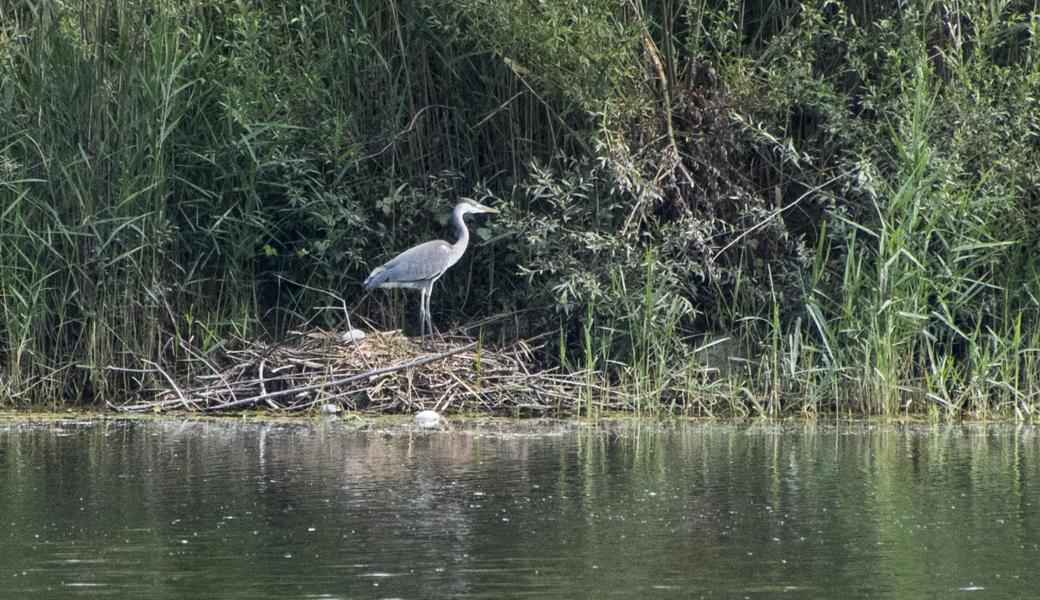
<point>419,267</point>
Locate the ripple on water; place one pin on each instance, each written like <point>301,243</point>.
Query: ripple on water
<point>317,510</point>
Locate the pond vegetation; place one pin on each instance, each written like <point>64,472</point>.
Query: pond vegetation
<point>710,206</point>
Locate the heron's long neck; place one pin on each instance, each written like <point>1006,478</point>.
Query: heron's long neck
<point>460,246</point>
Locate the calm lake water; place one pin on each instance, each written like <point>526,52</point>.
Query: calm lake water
<point>186,509</point>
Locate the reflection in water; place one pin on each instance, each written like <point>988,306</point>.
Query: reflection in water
<point>221,509</point>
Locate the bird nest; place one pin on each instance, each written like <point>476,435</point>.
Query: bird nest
<point>383,372</point>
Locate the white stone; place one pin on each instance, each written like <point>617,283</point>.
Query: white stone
<point>427,419</point>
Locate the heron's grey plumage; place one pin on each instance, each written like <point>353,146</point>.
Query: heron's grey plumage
<point>413,266</point>
<point>420,266</point>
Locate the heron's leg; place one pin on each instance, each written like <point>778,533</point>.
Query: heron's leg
<point>422,315</point>
<point>429,315</point>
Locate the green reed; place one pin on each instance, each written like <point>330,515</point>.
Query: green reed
<point>850,225</point>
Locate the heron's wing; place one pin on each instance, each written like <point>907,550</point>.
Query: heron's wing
<point>415,265</point>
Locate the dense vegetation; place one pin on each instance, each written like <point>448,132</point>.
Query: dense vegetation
<point>841,198</point>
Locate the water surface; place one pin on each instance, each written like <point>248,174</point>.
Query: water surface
<point>175,509</point>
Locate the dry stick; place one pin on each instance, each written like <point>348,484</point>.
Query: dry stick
<point>343,303</point>
<point>405,400</point>
<point>352,378</point>
<point>494,112</point>
<point>773,215</point>
<point>350,326</point>
<point>465,386</point>
<point>666,97</point>
<point>181,399</point>
<point>161,405</point>
<point>212,367</point>
<point>263,386</point>
<point>173,384</point>
<point>397,135</point>
<point>666,104</point>
<point>521,73</point>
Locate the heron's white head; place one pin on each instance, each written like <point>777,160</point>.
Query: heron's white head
<point>469,206</point>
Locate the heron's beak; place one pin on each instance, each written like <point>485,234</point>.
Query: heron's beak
<point>477,207</point>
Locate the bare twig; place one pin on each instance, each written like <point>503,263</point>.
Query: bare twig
<point>316,366</point>
<point>343,381</point>
<point>773,215</point>
<point>173,384</point>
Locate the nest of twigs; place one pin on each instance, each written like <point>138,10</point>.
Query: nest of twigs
<point>384,372</point>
